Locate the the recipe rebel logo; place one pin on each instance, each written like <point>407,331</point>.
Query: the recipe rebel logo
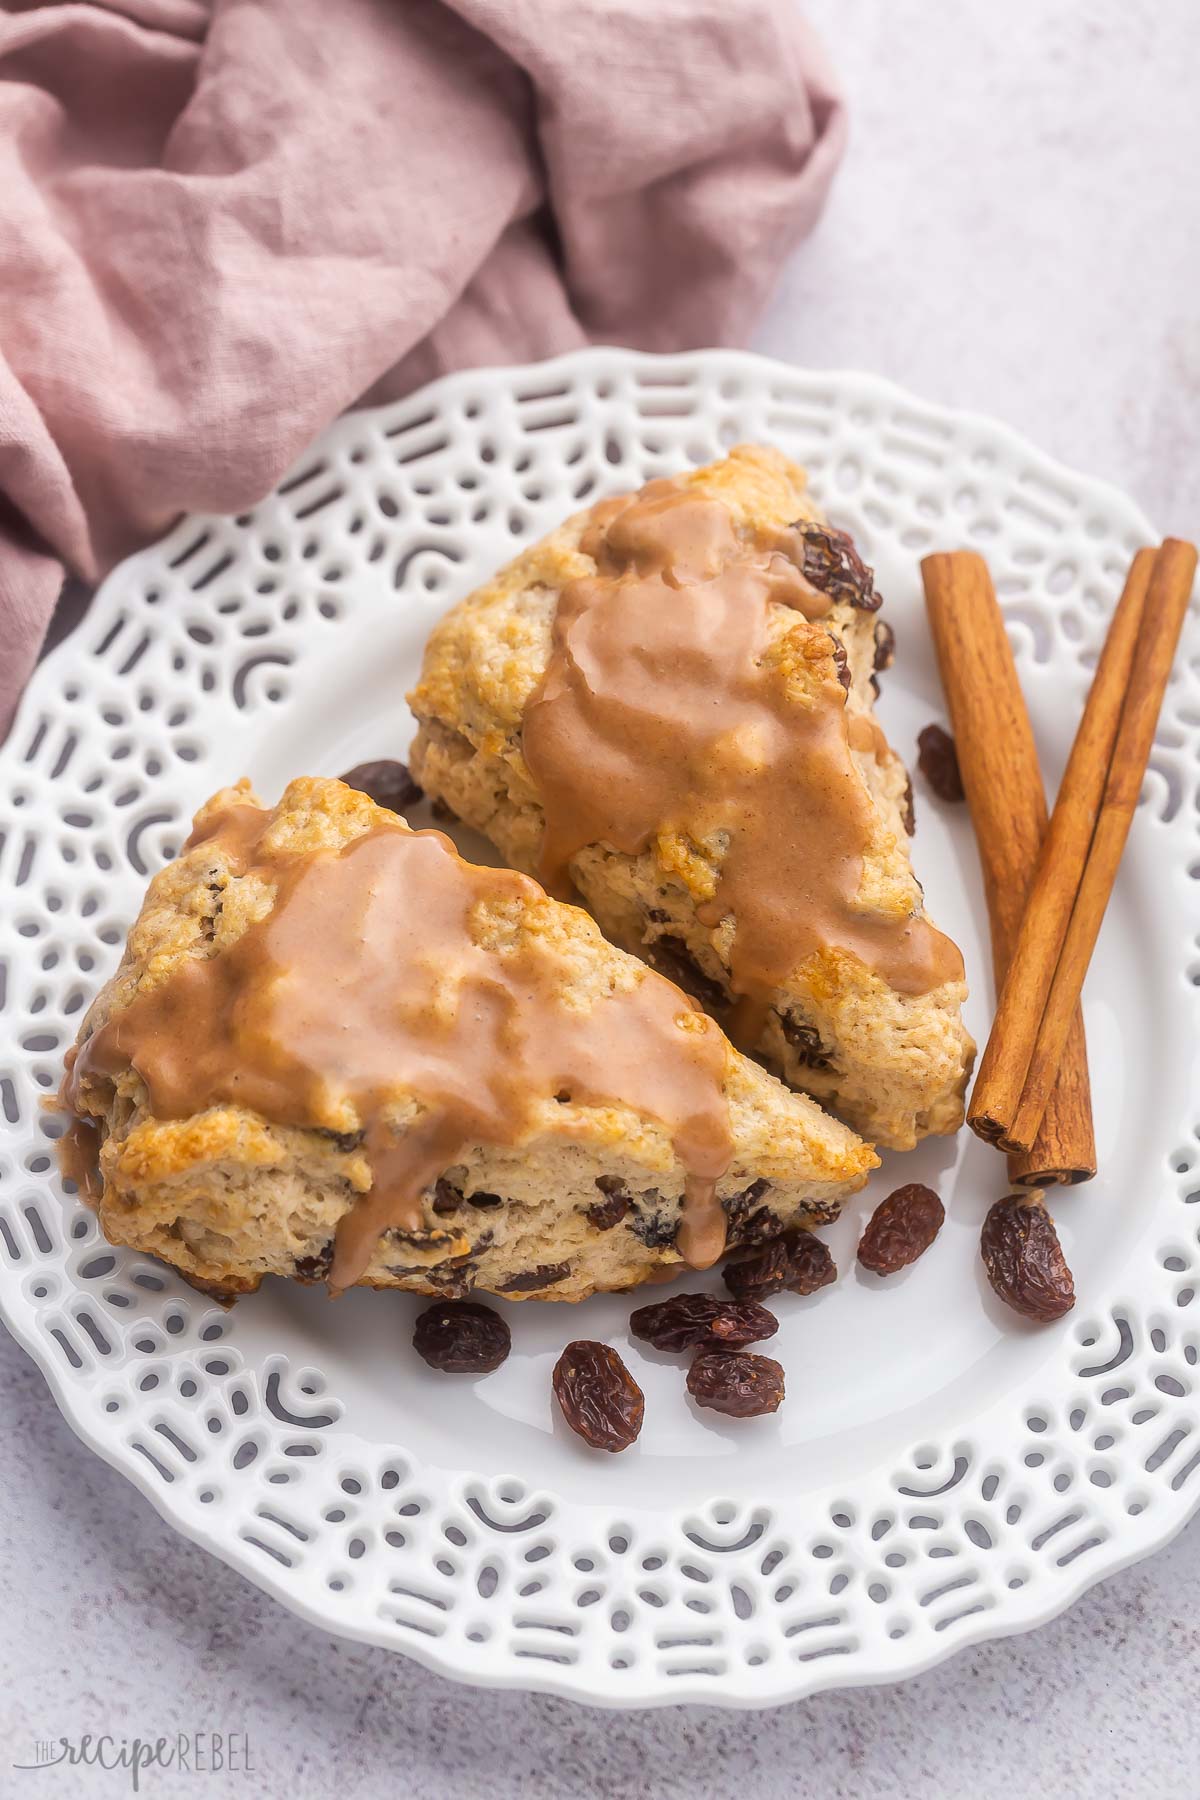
<point>186,1752</point>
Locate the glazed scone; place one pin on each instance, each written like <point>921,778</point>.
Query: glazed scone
<point>333,1049</point>
<point>667,704</point>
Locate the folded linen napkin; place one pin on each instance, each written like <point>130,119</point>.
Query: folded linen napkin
<point>224,223</point>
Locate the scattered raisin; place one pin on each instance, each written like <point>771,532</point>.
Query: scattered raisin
<point>901,1228</point>
<point>938,758</point>
<point>545,1275</point>
<point>1024,1259</point>
<point>885,646</point>
<point>805,1040</point>
<point>757,1276</point>
<point>736,1383</point>
<point>834,567</point>
<point>812,1264</point>
<point>387,783</point>
<point>483,1200</point>
<point>797,1261</point>
<point>462,1337</point>
<point>840,661</point>
<point>671,957</point>
<point>599,1398</point>
<point>686,1320</point>
<point>606,1213</point>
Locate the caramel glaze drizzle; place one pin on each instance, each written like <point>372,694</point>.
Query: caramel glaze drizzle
<point>389,973</point>
<point>665,709</point>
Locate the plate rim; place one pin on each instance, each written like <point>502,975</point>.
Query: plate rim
<point>1116,1554</point>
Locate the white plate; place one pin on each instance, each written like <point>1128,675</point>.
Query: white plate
<point>940,1472</point>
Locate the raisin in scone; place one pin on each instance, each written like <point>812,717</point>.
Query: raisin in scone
<point>335,1050</point>
<point>666,705</point>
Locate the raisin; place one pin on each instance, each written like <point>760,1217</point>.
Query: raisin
<point>425,1237</point>
<point>736,1383</point>
<point>387,783</point>
<point>759,1228</point>
<point>545,1275</point>
<point>447,1282</point>
<point>671,957</point>
<point>599,1398</point>
<point>762,1273</point>
<point>462,1337</point>
<point>606,1213</point>
<point>938,759</point>
<point>908,810</point>
<point>840,661</point>
<point>797,1260</point>
<point>446,1197</point>
<point>315,1268</point>
<point>654,1226</point>
<point>748,1222</point>
<point>834,567</point>
<point>453,1279</point>
<point>885,646</point>
<point>737,1204</point>
<point>901,1228</point>
<point>1024,1259</point>
<point>686,1320</point>
<point>805,1040</point>
<point>812,1264</point>
<point>343,1140</point>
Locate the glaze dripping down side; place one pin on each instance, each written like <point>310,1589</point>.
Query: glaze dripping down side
<point>394,990</point>
<point>676,714</point>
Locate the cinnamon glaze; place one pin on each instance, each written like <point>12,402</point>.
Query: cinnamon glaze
<point>398,991</point>
<point>671,716</point>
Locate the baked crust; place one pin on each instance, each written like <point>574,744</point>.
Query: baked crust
<point>591,1200</point>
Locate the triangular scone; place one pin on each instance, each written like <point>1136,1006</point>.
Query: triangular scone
<point>335,1049</point>
<point>668,704</point>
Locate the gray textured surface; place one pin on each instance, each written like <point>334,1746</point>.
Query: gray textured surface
<point>1009,233</point>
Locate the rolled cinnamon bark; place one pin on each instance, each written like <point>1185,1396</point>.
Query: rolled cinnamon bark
<point>1081,885</point>
<point>1051,896</point>
<point>1003,783</point>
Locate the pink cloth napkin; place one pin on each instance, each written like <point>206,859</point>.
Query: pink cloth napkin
<point>221,224</point>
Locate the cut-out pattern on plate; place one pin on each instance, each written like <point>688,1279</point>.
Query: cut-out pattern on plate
<point>993,1516</point>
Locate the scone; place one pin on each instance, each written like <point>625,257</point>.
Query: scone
<point>666,706</point>
<point>333,1049</point>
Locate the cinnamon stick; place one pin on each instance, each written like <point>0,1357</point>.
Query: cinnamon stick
<point>1002,1070</point>
<point>1165,609</point>
<point>998,759</point>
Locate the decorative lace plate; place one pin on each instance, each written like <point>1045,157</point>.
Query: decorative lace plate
<point>940,1472</point>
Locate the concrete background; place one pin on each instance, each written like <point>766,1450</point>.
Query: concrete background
<point>1014,230</point>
